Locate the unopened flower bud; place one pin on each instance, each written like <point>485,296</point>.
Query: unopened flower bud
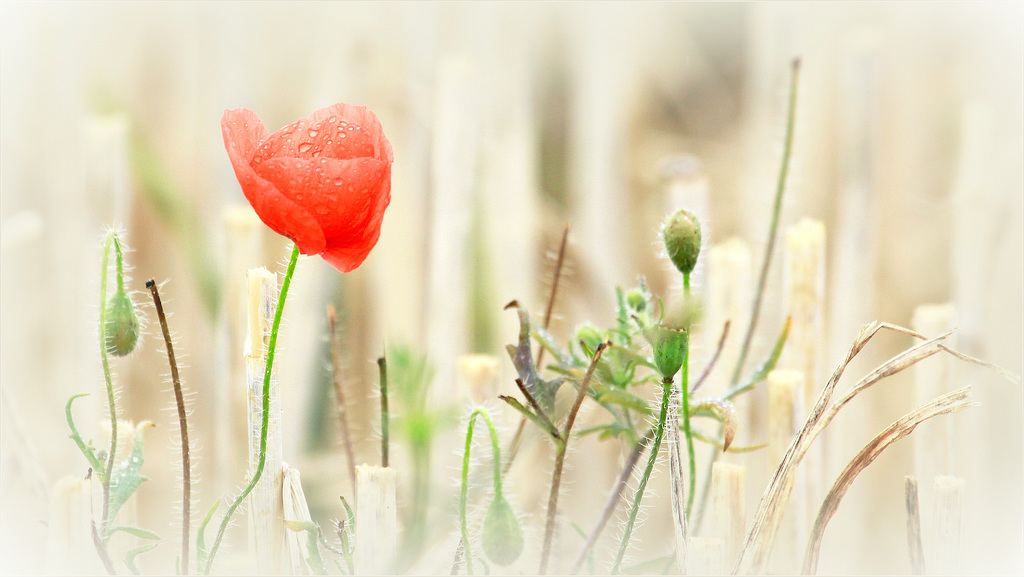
<point>669,345</point>
<point>122,325</point>
<point>590,336</point>
<point>637,300</point>
<point>681,234</point>
<point>502,533</point>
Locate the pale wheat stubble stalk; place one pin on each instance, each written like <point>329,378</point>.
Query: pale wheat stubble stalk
<point>265,519</point>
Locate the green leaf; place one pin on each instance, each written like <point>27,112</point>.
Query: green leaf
<point>201,535</point>
<point>127,476</point>
<point>515,404</point>
<point>697,434</point>
<point>522,358</point>
<point>87,450</point>
<point>626,399</point>
<point>313,558</point>
<point>722,410</point>
<point>136,531</point>
<point>761,372</point>
<point>129,557</point>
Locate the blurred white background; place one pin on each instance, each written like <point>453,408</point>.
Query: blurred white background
<point>508,122</point>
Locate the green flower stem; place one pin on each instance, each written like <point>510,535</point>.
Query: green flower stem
<point>684,384</point>
<point>271,349</point>
<point>111,403</point>
<point>463,497</point>
<point>666,394</point>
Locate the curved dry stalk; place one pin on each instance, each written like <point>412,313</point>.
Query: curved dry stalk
<point>949,403</point>
<point>758,545</point>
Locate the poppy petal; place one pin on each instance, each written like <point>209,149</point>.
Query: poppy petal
<point>275,209</point>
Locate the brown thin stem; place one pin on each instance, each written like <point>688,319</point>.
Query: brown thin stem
<point>179,399</point>
<point>385,416</point>
<point>517,439</point>
<point>773,229</point>
<point>560,449</point>
<point>552,429</point>
<point>339,394</point>
<point>101,548</point>
<point>714,359</point>
<point>613,500</point>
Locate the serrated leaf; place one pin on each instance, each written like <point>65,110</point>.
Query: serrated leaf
<point>626,399</point>
<point>87,450</point>
<point>127,476</point>
<point>522,358</point>
<point>136,531</point>
<point>129,557</point>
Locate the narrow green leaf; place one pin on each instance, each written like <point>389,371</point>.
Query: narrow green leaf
<point>761,372</point>
<point>87,450</point>
<point>201,535</point>
<point>136,531</point>
<point>129,557</point>
<point>626,399</point>
<point>515,404</point>
<point>313,558</point>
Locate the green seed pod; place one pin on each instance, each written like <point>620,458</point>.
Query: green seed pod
<point>502,534</point>
<point>122,325</point>
<point>669,345</point>
<point>590,336</point>
<point>681,234</point>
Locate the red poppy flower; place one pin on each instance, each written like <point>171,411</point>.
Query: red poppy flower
<point>323,181</point>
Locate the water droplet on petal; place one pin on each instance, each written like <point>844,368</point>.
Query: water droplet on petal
<point>305,146</point>
<point>313,132</point>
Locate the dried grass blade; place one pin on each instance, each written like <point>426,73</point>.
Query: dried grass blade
<point>949,403</point>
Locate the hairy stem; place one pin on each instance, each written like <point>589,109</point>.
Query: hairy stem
<point>463,496</point>
<point>613,500</point>
<point>339,395</point>
<point>179,399</point>
<point>666,394</point>
<point>111,404</point>
<point>561,445</point>
<point>684,372</point>
<point>271,349</point>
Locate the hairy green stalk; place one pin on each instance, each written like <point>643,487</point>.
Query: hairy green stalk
<point>271,349</point>
<point>684,384</point>
<point>111,403</point>
<point>464,495</point>
<point>666,394</point>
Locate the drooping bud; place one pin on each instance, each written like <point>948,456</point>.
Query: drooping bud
<point>502,534</point>
<point>681,235</point>
<point>122,325</point>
